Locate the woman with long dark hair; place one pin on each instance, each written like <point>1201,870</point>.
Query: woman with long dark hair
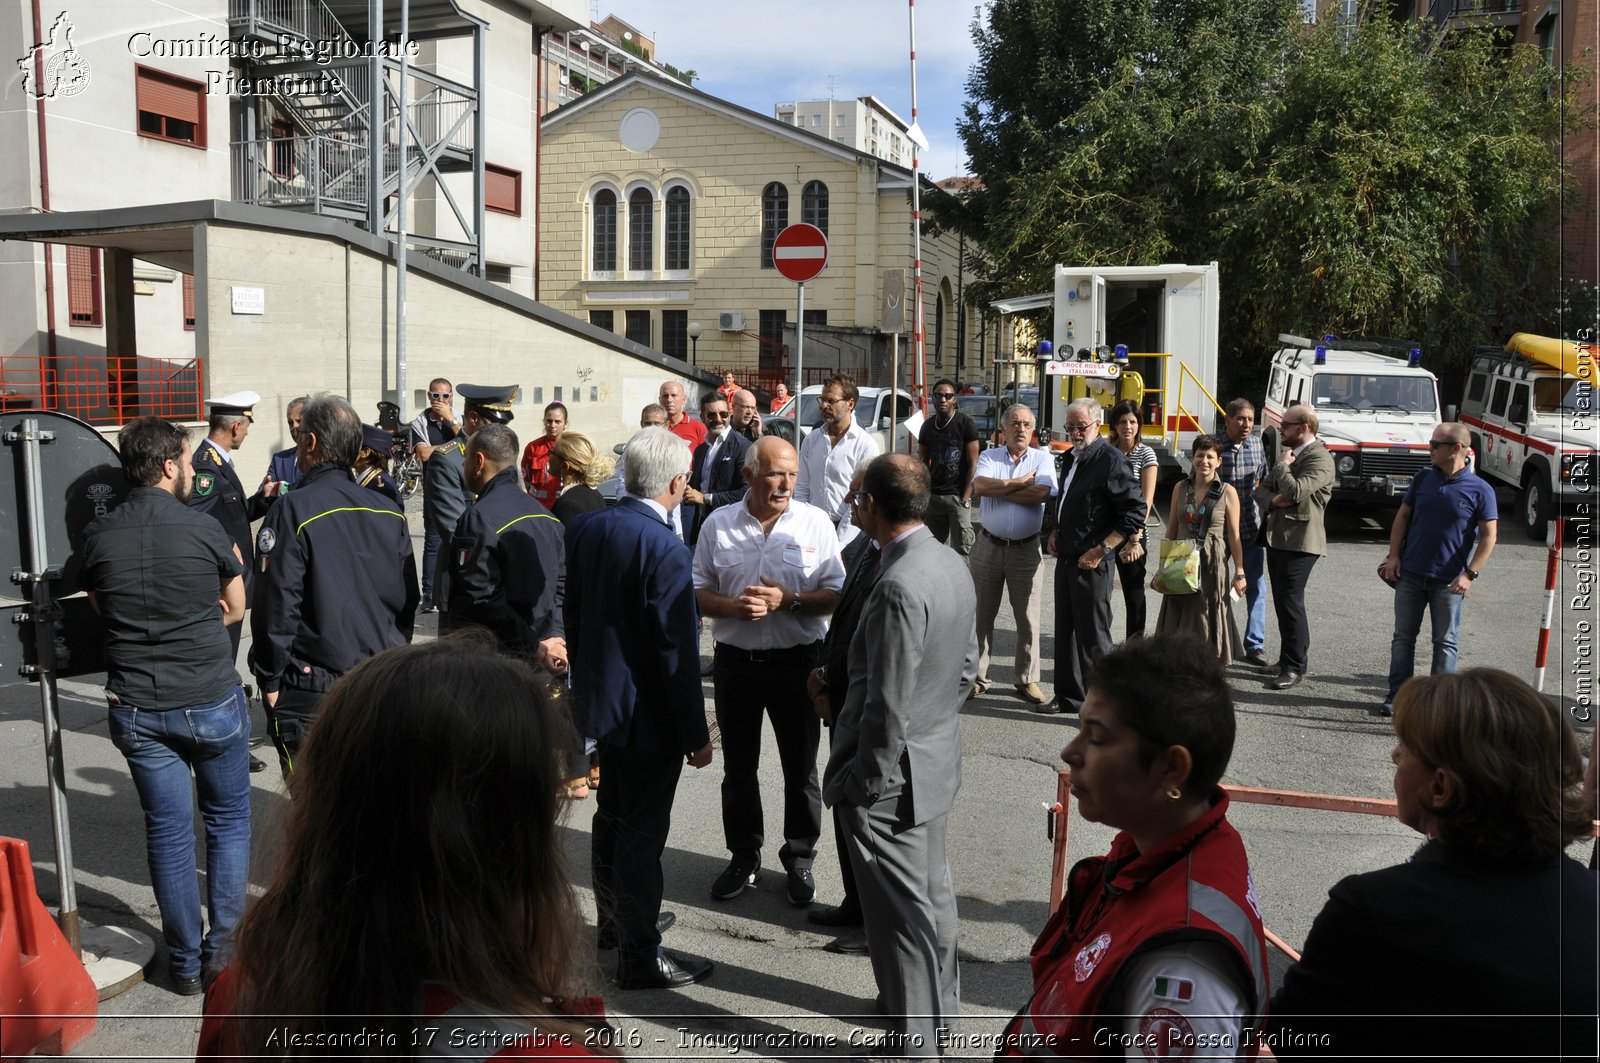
<point>421,885</point>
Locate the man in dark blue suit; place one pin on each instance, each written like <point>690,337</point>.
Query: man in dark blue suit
<point>716,476</point>
<point>631,624</point>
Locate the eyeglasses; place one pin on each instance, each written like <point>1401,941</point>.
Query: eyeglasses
<point>715,415</point>
<point>855,497</point>
<point>438,394</point>
<point>944,394</point>
<point>1079,429</point>
<point>1435,443</point>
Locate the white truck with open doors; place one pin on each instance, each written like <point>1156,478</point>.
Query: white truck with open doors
<point>1376,406</point>
<point>1142,333</point>
<point>1531,411</point>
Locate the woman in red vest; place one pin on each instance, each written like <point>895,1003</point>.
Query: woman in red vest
<point>420,894</point>
<point>1158,948</point>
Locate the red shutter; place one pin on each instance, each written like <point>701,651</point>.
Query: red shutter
<point>83,286</point>
<point>502,189</point>
<point>188,302</point>
<point>166,95</point>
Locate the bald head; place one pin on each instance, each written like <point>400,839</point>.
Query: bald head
<point>770,468</point>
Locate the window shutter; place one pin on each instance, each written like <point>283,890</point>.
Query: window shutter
<point>188,302</point>
<point>502,189</point>
<point>169,96</point>
<point>83,285</point>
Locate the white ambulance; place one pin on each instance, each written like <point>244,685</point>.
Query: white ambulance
<point>1376,407</point>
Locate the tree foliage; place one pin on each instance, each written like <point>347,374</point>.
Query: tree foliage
<point>1372,179</point>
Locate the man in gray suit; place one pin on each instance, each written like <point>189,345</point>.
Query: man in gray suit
<point>1293,498</point>
<point>895,763</point>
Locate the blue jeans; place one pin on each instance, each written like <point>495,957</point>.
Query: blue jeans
<point>1444,608</point>
<point>1255,598</point>
<point>430,560</point>
<point>162,748</point>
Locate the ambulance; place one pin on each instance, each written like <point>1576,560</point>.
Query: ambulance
<point>1376,406</point>
<point>1531,411</point>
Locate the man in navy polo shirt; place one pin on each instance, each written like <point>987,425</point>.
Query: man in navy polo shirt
<point>1447,510</point>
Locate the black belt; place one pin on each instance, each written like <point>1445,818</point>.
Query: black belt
<point>776,655</point>
<point>1024,541</point>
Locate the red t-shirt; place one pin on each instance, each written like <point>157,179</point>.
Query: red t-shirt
<point>777,403</point>
<point>689,430</point>
<point>535,471</point>
<point>474,1034</point>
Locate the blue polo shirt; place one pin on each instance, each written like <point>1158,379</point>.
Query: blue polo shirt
<point>1445,514</point>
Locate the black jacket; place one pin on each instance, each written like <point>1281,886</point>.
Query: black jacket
<point>723,483</point>
<point>336,581</point>
<point>1104,498</point>
<point>506,567</point>
<point>216,490</point>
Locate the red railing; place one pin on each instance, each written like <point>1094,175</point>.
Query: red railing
<point>103,389</point>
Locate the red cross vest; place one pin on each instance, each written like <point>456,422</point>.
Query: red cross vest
<point>1196,887</point>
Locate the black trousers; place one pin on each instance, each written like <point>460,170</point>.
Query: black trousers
<point>774,684</point>
<point>1083,626</point>
<point>1131,575</point>
<point>289,721</point>
<point>630,828</point>
<point>1290,571</point>
<point>847,874</point>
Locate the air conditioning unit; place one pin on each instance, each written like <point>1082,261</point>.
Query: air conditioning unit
<point>730,321</point>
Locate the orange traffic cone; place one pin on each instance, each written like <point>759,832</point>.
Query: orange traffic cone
<point>47,999</point>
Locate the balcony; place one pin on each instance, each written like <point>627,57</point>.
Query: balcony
<point>1469,14</point>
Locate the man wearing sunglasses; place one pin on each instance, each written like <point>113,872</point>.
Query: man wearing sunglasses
<point>1442,537</point>
<point>438,441</point>
<point>716,475</point>
<point>948,443</point>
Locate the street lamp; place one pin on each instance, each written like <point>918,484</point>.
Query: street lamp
<point>694,342</point>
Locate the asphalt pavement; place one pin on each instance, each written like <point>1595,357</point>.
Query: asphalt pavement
<point>776,993</point>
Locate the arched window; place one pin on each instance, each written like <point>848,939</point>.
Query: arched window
<point>641,230</point>
<point>678,228</point>
<point>814,205</point>
<point>604,259</point>
<point>774,219</point>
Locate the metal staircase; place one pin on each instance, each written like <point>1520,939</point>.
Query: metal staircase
<point>320,78</point>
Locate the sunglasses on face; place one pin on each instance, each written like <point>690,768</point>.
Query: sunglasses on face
<point>944,394</point>
<point>438,394</point>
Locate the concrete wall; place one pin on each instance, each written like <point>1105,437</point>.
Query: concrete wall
<point>328,326</point>
<point>728,162</point>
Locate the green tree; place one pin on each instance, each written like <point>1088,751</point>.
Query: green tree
<point>1350,179</point>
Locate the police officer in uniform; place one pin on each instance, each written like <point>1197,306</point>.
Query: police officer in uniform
<point>336,582</point>
<point>217,489</point>
<point>370,471</point>
<point>505,565</point>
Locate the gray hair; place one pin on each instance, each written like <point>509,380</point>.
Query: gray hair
<point>1005,418</point>
<point>497,443</point>
<point>655,456</point>
<point>221,422</point>
<point>1085,405</point>
<point>1238,406</point>
<point>336,425</point>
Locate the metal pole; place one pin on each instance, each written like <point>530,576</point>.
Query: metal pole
<point>43,616</point>
<point>918,388</point>
<point>400,224</point>
<point>799,352</point>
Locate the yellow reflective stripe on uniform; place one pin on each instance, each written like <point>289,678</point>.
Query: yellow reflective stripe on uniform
<point>347,509</point>
<point>525,516</point>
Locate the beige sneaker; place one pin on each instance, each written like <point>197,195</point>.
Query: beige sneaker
<point>979,686</point>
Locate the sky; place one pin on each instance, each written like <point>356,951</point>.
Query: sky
<point>755,54</point>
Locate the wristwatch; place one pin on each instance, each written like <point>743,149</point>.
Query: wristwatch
<point>1471,575</point>
<point>1107,547</point>
<point>794,606</point>
<point>966,503</point>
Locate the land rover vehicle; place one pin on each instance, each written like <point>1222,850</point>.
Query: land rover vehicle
<point>1531,411</point>
<point>1376,406</point>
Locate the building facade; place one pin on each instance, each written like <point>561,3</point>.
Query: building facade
<point>865,123</point>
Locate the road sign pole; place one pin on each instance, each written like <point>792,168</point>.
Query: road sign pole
<point>799,351</point>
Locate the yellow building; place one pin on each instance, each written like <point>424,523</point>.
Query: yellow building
<point>658,207</point>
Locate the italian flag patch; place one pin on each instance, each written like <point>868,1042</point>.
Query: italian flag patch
<point>1179,989</point>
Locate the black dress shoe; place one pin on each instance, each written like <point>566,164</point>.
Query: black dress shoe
<point>188,987</point>
<point>608,938</point>
<point>835,915</point>
<point>1257,659</point>
<point>1284,680</point>
<point>739,874</point>
<point>257,764</point>
<point>669,971</point>
<point>851,943</point>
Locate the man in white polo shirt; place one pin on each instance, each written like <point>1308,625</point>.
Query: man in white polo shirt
<point>767,574</point>
<point>1012,483</point>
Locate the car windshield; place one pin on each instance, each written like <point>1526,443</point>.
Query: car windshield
<point>1555,394</point>
<point>1353,391</point>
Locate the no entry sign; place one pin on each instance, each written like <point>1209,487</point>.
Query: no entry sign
<point>800,252</point>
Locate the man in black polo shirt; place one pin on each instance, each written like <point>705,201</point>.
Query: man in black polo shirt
<point>948,443</point>
<point>156,572</point>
